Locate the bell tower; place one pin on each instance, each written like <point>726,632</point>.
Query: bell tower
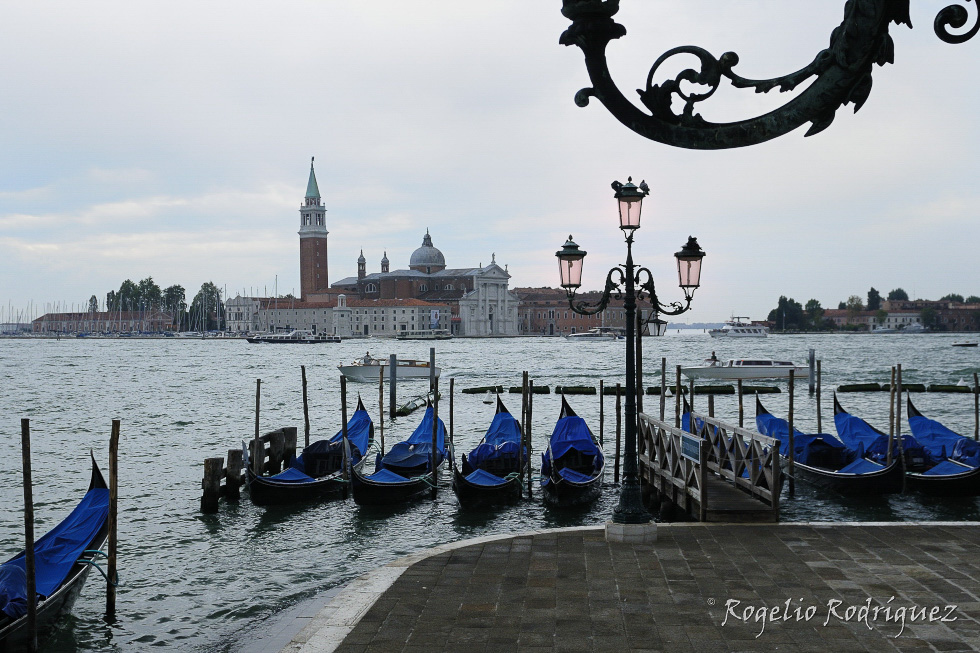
<point>312,241</point>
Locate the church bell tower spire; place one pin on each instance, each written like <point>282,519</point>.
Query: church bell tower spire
<point>312,241</point>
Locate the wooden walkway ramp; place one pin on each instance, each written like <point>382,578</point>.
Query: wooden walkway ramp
<point>719,473</point>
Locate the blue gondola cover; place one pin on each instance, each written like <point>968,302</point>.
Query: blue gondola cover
<point>940,443</point>
<point>54,553</point>
<point>806,446</point>
<point>481,477</point>
<point>417,449</point>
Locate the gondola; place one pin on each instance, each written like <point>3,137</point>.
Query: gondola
<point>571,468</point>
<point>62,560</point>
<point>406,470</point>
<point>318,471</point>
<point>491,474</point>
<point>826,462</point>
<point>953,460</point>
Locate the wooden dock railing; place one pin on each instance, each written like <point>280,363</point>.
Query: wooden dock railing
<point>692,470</point>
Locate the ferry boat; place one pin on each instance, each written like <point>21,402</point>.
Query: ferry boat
<point>743,368</point>
<point>598,333</point>
<point>368,368</point>
<point>736,328</point>
<point>293,337</point>
<point>424,334</point>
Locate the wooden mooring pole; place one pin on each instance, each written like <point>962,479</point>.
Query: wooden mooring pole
<point>891,418</point>
<point>663,387</point>
<point>392,375</point>
<point>343,430</point>
<point>741,406</point>
<point>601,412</point>
<point>524,437</point>
<point>381,405</point>
<point>819,406</point>
<point>435,424</point>
<point>898,418</point>
<point>258,450</point>
<point>527,427</point>
<point>976,407</point>
<point>211,485</point>
<point>452,443</point>
<point>110,590</point>
<point>789,426</point>
<point>306,409</point>
<point>678,391</point>
<point>25,443</point>
<point>619,430</point>
<point>233,476</point>
<point>711,405</point>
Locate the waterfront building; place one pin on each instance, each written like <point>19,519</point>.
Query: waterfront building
<point>479,299</point>
<point>545,311</point>
<point>149,321</point>
<point>242,313</point>
<point>352,317</point>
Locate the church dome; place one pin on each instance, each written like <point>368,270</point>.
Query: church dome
<point>427,257</point>
<point>361,259</point>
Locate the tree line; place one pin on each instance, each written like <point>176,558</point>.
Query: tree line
<point>205,313</point>
<point>790,315</point>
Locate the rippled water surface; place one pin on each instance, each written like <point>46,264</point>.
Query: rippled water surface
<point>195,582</point>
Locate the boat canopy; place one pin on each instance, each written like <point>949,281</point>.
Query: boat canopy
<point>572,433</point>
<point>54,553</point>
<point>941,443</point>
<point>869,441</point>
<point>417,449</point>
<point>483,477</point>
<point>359,428</point>
<point>501,440</point>
<point>806,446</point>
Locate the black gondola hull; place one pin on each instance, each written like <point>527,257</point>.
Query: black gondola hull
<point>475,496</point>
<point>562,493</point>
<point>372,493</point>
<point>885,481</point>
<point>263,491</point>
<point>966,484</point>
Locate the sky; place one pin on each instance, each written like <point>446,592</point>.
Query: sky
<point>173,140</point>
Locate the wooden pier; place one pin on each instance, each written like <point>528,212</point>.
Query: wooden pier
<point>720,473</point>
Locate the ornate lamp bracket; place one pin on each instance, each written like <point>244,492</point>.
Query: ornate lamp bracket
<point>841,75</point>
<point>647,287</point>
<point>613,289</point>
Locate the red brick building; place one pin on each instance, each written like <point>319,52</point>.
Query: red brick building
<point>545,311</point>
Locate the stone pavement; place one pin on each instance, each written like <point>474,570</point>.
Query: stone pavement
<point>700,587</point>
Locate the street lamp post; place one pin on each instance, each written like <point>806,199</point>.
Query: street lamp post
<point>625,282</point>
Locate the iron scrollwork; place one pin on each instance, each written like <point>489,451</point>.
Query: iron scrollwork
<point>841,75</point>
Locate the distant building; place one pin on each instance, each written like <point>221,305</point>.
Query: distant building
<point>545,311</point>
<point>352,317</point>
<point>312,241</point>
<point>152,321</point>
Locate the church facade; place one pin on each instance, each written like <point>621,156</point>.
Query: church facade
<point>481,303</point>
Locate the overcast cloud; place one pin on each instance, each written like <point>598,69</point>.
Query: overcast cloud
<point>173,140</point>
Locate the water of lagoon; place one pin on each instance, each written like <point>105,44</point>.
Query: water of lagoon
<point>205,582</point>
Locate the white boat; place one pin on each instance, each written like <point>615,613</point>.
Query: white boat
<point>293,337</point>
<point>736,328</point>
<point>424,334</point>
<point>597,333</point>
<point>368,368</point>
<point>744,368</point>
<point>490,398</point>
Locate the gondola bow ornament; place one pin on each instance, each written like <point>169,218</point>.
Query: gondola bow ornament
<point>840,74</point>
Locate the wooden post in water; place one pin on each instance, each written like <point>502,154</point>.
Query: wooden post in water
<point>678,391</point>
<point>343,431</point>
<point>691,392</point>
<point>639,363</point>
<point>601,413</point>
<point>277,450</point>
<point>819,406</point>
<point>812,372</point>
<point>663,387</point>
<point>452,444</point>
<point>110,589</point>
<point>306,408</point>
<point>211,484</point>
<point>233,475</point>
<point>976,407</point>
<point>25,443</point>
<point>256,455</point>
<point>711,405</point>
<point>527,427</point>
<point>289,450</point>
<point>435,422</point>
<point>891,418</point>
<point>619,430</point>
<point>898,418</point>
<point>789,426</point>
<point>741,406</point>
<point>381,406</point>
<point>432,369</point>
<point>392,375</point>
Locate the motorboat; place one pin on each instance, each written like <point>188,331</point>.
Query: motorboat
<point>965,344</point>
<point>367,368</point>
<point>424,334</point>
<point>598,333</point>
<point>293,337</point>
<point>743,368</point>
<point>737,328</point>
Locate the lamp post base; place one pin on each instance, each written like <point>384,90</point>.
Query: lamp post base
<point>631,533</point>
